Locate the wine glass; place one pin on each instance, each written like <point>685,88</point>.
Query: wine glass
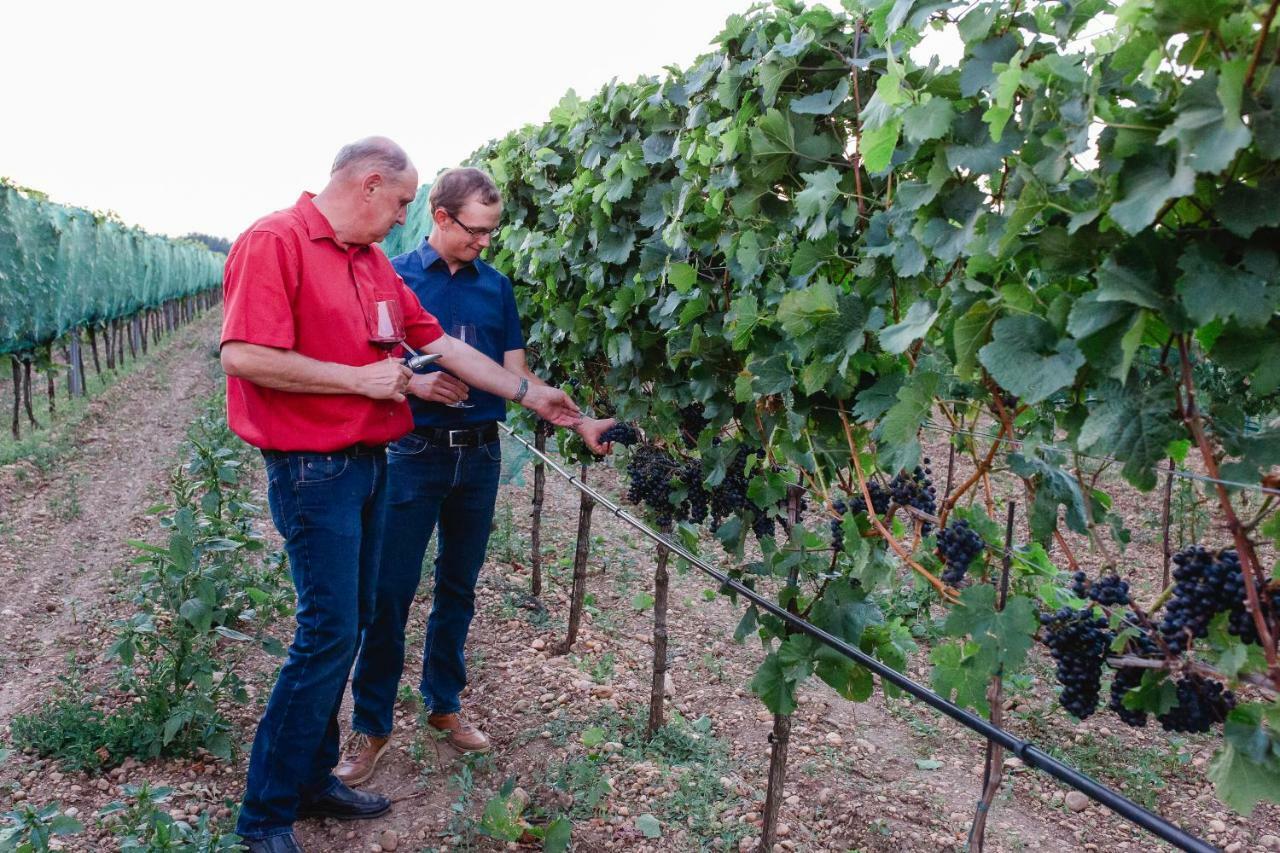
<point>386,325</point>
<point>465,332</point>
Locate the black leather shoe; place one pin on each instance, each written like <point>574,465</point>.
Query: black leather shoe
<point>286,843</point>
<point>343,803</point>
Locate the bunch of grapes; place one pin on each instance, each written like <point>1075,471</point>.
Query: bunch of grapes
<point>1078,641</point>
<point>958,544</point>
<point>731,495</point>
<point>1129,677</point>
<point>916,490</point>
<point>622,433</point>
<point>1107,590</point>
<point>697,498</point>
<point>880,499</point>
<point>692,423</point>
<point>649,473</point>
<point>1206,584</point>
<point>1201,704</point>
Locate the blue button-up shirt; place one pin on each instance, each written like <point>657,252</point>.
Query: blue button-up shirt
<point>477,295</point>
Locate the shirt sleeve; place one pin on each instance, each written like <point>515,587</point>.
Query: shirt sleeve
<point>420,326</point>
<point>258,287</point>
<point>511,318</point>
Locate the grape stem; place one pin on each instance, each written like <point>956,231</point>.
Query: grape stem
<point>1260,682</point>
<point>945,591</point>
<point>1244,546</point>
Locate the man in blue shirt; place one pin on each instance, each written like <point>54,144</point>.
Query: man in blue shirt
<point>443,474</point>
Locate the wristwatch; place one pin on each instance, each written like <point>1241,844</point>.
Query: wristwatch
<point>521,391</point>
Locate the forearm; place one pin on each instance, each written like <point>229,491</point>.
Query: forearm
<point>477,369</point>
<point>286,370</point>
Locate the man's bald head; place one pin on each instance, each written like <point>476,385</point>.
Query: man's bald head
<point>371,154</point>
<point>370,188</point>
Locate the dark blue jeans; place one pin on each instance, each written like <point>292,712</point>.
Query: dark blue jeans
<point>329,509</point>
<point>453,489</point>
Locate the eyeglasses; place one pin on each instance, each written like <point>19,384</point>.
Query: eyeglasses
<point>474,232</point>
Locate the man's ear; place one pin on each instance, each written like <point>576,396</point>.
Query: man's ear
<point>371,183</point>
<point>440,216</point>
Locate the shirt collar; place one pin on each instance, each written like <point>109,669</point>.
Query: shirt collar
<point>318,228</point>
<point>429,256</point>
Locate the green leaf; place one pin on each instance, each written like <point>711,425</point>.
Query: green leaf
<point>771,375</point>
<point>928,764</point>
<point>1054,487</point>
<point>895,434</point>
<point>927,120</point>
<point>64,824</point>
<point>957,676</point>
<point>1004,636</point>
<point>1243,210</point>
<point>1207,125</point>
<point>682,277</point>
<point>557,836</point>
<point>198,613</point>
<point>877,146</point>
<point>593,737</point>
<point>972,331</point>
<point>174,724</point>
<point>649,826</point>
<point>920,317</point>
<point>1242,783</point>
<point>641,601</point>
<point>822,103</point>
<point>1027,357</point>
<point>1145,185</point>
<point>814,201</point>
<point>773,688</point>
<point>1210,290</point>
<point>1134,424</point>
<point>616,245</point>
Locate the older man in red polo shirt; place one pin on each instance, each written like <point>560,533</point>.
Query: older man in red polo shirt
<point>311,383</point>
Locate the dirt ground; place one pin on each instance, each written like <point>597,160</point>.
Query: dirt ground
<point>885,775</point>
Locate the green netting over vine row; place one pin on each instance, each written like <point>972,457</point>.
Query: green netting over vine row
<point>416,226</point>
<point>63,267</point>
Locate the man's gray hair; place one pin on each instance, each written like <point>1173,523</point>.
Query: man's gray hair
<point>374,152</point>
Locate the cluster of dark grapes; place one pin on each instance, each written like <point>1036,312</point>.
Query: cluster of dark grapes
<point>958,544</point>
<point>1129,677</point>
<point>692,423</point>
<point>730,496</point>
<point>1206,584</point>
<point>1202,703</point>
<point>697,499</point>
<point>624,434</point>
<point>649,475</point>
<point>1107,590</point>
<point>1078,641</point>
<point>916,489</point>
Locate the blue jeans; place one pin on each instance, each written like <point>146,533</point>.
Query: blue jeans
<point>455,489</point>
<point>329,508</point>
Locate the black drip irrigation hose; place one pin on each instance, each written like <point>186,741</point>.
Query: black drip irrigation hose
<point>1029,753</point>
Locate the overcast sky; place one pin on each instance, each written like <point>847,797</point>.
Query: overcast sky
<point>185,117</point>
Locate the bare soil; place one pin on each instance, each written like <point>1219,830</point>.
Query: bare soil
<point>885,775</point>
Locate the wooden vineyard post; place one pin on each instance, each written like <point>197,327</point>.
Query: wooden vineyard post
<point>580,556</point>
<point>780,738</point>
<point>658,689</point>
<point>535,523</point>
<point>26,392</point>
<point>16,427</point>
<point>993,768</point>
<point>93,345</point>
<point>50,387</point>
<point>108,346</point>
<point>75,365</point>
<point>119,324</point>
<point>1165,518</point>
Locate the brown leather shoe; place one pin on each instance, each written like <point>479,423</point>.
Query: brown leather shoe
<point>360,756</point>
<point>461,735</point>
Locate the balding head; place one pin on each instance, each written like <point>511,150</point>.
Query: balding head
<point>371,154</point>
<point>369,189</point>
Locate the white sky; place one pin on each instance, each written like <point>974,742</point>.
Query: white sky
<point>201,117</point>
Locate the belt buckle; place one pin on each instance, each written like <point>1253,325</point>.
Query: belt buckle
<point>454,432</point>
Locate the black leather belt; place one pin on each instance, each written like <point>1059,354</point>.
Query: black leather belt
<point>468,437</point>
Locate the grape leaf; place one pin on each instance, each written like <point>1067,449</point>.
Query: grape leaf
<point>1134,424</point>
<point>971,332</point>
<point>1027,357</point>
<point>895,435</point>
<point>814,201</point>
<point>1055,487</point>
<point>1211,290</point>
<point>1004,636</point>
<point>958,677</point>
<point>771,685</point>
<point>822,103</point>
<point>877,146</point>
<point>930,119</point>
<point>898,337</point>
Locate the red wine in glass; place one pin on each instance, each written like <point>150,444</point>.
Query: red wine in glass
<point>386,325</point>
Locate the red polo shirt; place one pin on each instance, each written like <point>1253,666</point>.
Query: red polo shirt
<point>289,285</point>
